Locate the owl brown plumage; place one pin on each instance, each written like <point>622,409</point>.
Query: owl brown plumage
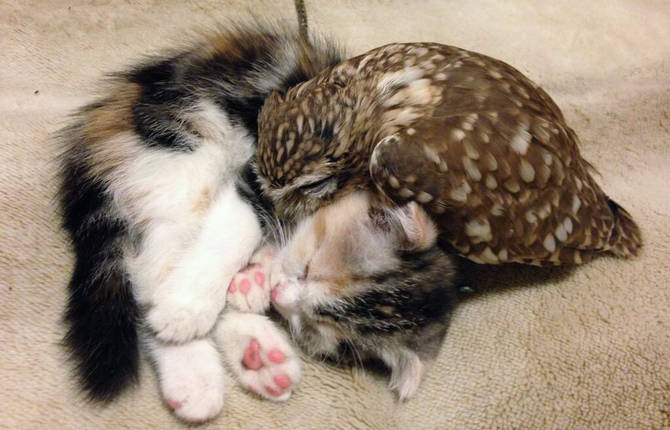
<point>480,146</point>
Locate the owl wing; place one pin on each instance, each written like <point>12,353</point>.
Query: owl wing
<point>503,186</point>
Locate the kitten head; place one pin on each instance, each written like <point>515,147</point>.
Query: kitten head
<point>356,282</point>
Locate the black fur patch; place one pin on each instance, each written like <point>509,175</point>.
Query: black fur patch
<point>156,115</point>
<point>420,293</point>
<point>101,312</point>
<point>250,190</point>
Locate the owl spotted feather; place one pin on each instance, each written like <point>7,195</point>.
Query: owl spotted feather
<point>482,148</point>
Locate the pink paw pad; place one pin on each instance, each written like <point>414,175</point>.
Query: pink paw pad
<point>283,381</point>
<point>252,357</point>
<point>259,278</point>
<point>272,391</point>
<point>232,287</point>
<point>245,286</point>
<point>174,404</point>
<point>276,356</point>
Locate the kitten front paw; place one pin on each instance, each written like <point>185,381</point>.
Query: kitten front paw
<point>182,317</point>
<point>249,291</point>
<point>260,357</point>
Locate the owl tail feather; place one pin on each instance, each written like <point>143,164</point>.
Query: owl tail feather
<point>626,239</point>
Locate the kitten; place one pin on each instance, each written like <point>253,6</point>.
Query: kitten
<point>159,196</point>
<point>357,283</point>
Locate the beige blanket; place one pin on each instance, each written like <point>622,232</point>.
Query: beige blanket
<point>584,348</point>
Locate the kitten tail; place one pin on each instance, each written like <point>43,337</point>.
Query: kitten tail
<point>101,313</point>
<point>102,316</point>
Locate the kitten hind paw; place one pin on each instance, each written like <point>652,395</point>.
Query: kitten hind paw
<point>260,357</point>
<point>191,379</point>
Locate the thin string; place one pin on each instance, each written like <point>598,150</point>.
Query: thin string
<point>302,17</point>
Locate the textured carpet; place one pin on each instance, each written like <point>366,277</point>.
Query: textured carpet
<point>583,348</point>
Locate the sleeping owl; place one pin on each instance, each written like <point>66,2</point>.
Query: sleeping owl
<point>482,148</point>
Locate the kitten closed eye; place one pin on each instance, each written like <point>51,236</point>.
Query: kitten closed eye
<point>305,273</point>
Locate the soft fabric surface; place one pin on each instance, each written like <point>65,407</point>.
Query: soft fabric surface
<point>582,348</point>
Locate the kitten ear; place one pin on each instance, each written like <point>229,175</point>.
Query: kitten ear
<point>416,228</point>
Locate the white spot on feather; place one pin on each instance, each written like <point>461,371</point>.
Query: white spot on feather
<point>496,210</point>
<point>521,141</point>
<point>400,78</point>
<point>549,243</point>
<point>431,154</point>
<point>420,91</point>
<point>470,150</point>
<point>560,233</point>
<point>488,256</point>
<point>502,255</point>
<point>479,230</point>
<point>495,74</point>
<point>490,162</point>
<point>469,121</point>
<point>299,122</point>
<point>491,182</point>
<point>457,134</point>
<point>530,216</point>
<point>460,194</point>
<point>423,197</point>
<point>576,203</point>
<point>526,171</point>
<point>567,224</point>
<point>512,186</point>
<point>471,169</point>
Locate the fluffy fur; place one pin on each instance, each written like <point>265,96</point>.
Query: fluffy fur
<point>158,195</point>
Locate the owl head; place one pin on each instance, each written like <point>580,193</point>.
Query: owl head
<point>306,156</point>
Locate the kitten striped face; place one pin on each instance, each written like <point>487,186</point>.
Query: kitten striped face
<point>355,282</point>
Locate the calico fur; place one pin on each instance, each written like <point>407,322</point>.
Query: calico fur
<point>159,199</point>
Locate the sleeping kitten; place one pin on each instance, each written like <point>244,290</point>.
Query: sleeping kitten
<point>158,198</point>
<point>355,283</point>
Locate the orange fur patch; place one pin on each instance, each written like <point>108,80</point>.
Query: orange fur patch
<point>203,201</point>
<point>111,121</point>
